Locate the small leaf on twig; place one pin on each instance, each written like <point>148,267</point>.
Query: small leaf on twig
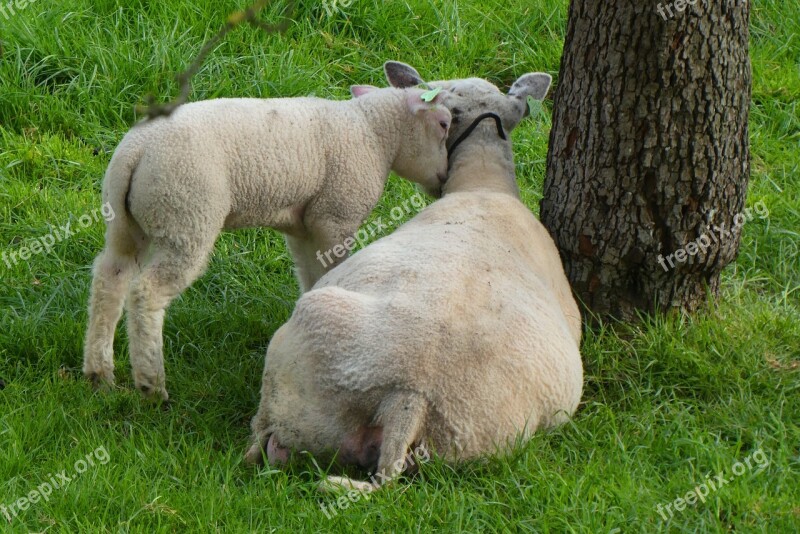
<point>152,109</point>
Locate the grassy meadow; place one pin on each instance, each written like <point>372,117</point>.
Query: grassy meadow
<point>669,405</point>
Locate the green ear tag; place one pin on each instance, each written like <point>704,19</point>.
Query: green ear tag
<point>428,96</point>
<point>534,106</point>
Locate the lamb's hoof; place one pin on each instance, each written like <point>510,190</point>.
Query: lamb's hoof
<point>334,484</point>
<point>100,381</point>
<point>156,394</point>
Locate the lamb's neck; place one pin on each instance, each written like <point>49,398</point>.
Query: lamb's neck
<point>386,116</point>
<point>482,165</point>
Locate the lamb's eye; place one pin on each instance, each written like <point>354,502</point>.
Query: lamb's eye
<point>444,125</point>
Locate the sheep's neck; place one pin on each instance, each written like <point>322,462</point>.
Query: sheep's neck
<point>482,164</point>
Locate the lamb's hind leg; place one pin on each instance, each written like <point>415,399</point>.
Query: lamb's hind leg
<point>402,416</point>
<point>172,269</point>
<point>112,273</point>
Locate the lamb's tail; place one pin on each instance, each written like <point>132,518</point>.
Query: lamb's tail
<point>120,223</point>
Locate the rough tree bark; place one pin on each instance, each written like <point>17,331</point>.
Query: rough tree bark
<point>649,152</point>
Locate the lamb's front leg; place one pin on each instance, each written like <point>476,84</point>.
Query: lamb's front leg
<point>321,250</point>
<point>307,267</point>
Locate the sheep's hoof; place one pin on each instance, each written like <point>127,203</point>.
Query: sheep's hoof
<point>101,382</point>
<point>256,454</point>
<point>333,484</point>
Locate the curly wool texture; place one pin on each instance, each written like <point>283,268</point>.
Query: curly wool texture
<point>259,161</point>
<point>311,168</point>
<point>459,330</point>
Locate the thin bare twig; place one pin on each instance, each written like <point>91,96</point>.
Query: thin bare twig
<point>152,109</point>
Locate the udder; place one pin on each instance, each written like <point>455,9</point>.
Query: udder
<point>362,447</point>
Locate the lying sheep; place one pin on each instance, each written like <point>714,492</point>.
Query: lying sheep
<point>310,168</point>
<point>457,333</point>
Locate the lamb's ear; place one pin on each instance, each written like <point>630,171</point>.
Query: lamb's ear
<point>534,85</point>
<point>436,114</point>
<point>401,75</point>
<point>361,90</point>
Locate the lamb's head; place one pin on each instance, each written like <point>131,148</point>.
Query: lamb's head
<point>469,98</point>
<point>423,128</point>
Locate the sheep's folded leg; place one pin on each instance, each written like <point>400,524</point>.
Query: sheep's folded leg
<point>334,484</point>
<point>402,416</point>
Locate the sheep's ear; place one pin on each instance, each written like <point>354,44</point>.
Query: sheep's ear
<point>401,75</point>
<point>361,90</point>
<point>533,85</point>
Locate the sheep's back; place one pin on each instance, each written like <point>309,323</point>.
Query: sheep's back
<point>464,308</point>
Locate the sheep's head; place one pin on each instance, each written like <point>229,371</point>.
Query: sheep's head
<point>470,97</point>
<point>422,155</point>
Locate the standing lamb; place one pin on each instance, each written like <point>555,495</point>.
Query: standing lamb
<point>458,333</point>
<point>310,168</point>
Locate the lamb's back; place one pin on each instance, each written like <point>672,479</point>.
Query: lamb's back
<point>268,154</point>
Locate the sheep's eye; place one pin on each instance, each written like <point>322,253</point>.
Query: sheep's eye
<point>444,125</point>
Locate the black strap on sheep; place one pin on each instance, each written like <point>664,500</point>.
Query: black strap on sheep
<point>498,121</point>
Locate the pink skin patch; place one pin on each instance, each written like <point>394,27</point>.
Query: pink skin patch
<point>361,448</point>
<point>276,454</point>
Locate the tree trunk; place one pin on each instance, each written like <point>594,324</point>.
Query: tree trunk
<point>648,162</point>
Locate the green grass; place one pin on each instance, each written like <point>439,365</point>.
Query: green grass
<point>667,402</point>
